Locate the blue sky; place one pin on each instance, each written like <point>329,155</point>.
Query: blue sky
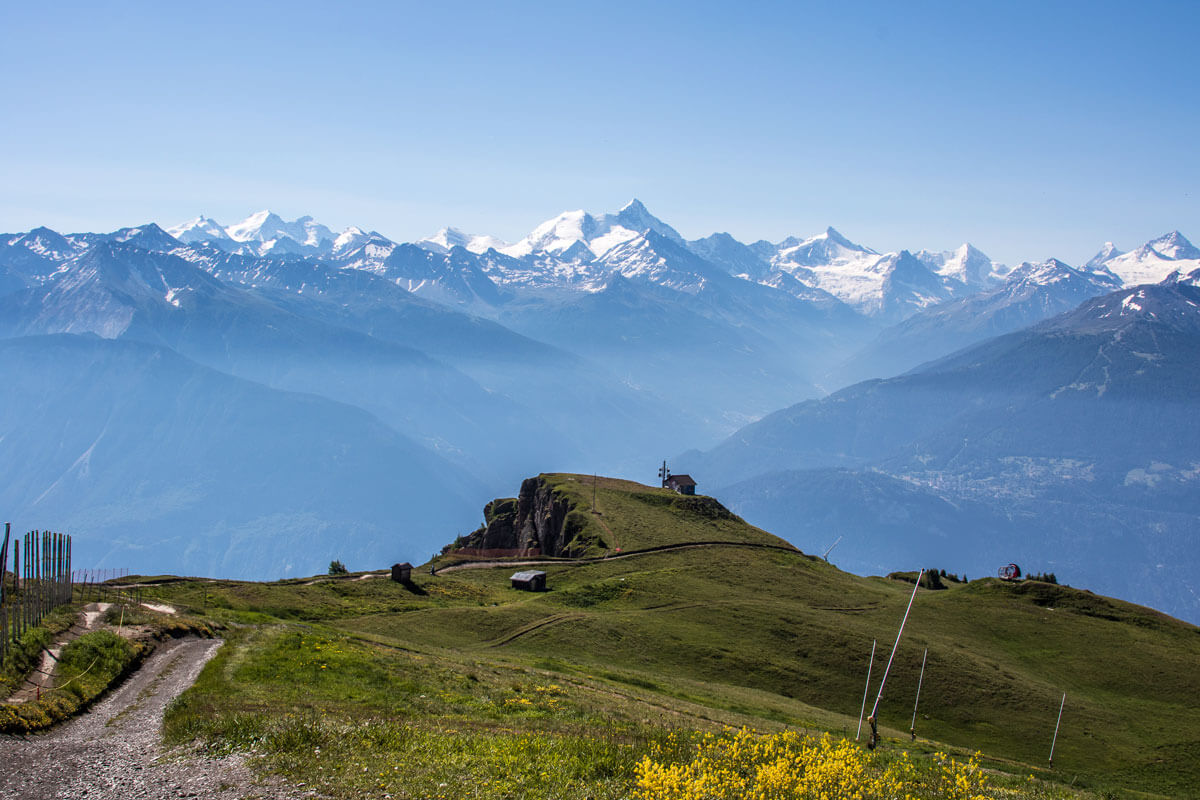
<point>1029,129</point>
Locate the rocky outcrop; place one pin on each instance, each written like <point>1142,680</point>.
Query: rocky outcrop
<point>536,522</point>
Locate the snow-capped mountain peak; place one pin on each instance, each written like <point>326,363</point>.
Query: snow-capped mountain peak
<point>966,264</point>
<point>448,238</point>
<point>831,233</point>
<point>252,226</point>
<point>1056,279</point>
<point>579,233</point>
<point>1174,246</point>
<point>826,248</point>
<point>1041,272</point>
<point>46,243</point>
<point>146,237</point>
<point>1154,261</point>
<point>556,235</point>
<point>1106,254</point>
<point>355,247</point>
<point>200,229</point>
<point>351,237</point>
<point>265,226</point>
<point>635,217</point>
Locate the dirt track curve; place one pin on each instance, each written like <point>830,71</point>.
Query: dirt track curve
<point>575,562</point>
<point>113,752</point>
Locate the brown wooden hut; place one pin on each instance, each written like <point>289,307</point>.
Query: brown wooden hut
<point>683,484</point>
<point>529,581</point>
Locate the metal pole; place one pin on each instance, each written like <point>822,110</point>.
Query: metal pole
<point>829,550</point>
<point>913,727</point>
<point>39,566</point>
<point>18,578</point>
<point>896,646</point>
<point>1056,724</point>
<point>866,691</point>
<point>4,561</point>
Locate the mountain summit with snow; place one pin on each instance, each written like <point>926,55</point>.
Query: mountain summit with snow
<point>475,360</point>
<point>579,236</point>
<point>577,251</point>
<point>448,238</point>
<point>1153,262</point>
<point>199,230</point>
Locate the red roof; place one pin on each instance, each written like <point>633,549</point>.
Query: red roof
<point>682,480</point>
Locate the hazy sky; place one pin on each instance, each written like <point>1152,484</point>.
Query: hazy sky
<point>1030,129</point>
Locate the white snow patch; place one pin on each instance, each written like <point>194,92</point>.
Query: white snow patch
<point>159,607</point>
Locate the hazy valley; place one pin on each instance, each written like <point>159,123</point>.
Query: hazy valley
<point>242,401</point>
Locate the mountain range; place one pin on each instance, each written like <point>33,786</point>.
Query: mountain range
<point>1069,446</point>
<point>596,344</point>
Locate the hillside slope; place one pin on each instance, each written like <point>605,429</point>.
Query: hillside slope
<point>232,477</point>
<point>1072,442</point>
<point>725,622</point>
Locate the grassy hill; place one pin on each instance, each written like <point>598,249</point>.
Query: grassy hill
<point>458,677</point>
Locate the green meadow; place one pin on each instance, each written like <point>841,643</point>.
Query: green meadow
<point>457,685</point>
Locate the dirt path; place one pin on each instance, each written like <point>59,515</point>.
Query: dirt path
<point>90,619</point>
<point>533,626</point>
<point>113,751</point>
<point>42,677</point>
<point>666,548</point>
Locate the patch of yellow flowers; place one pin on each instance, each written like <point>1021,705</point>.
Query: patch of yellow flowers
<point>743,765</point>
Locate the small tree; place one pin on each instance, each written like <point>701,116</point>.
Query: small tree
<point>337,568</point>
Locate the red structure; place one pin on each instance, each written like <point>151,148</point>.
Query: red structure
<point>1010,572</point>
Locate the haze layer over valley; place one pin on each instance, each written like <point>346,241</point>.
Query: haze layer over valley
<point>255,399</point>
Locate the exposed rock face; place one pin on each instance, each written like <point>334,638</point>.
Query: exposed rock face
<point>535,522</point>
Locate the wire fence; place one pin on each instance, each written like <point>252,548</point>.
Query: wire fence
<point>93,584</point>
<point>37,581</point>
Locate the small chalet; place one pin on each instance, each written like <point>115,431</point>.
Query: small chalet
<point>529,581</point>
<point>683,484</point>
<point>402,573</point>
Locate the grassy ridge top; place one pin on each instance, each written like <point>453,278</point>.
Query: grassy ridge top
<point>630,516</point>
<point>741,633</point>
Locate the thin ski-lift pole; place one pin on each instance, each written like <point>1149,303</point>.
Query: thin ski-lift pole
<point>825,555</point>
<point>1056,724</point>
<point>866,691</point>
<point>886,670</point>
<point>913,727</point>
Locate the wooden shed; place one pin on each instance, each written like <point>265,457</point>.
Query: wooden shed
<point>402,573</point>
<point>683,484</point>
<point>529,581</point>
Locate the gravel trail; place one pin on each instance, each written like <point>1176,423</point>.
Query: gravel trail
<point>113,752</point>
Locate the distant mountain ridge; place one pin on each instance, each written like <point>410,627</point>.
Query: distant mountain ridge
<point>603,342</point>
<point>578,252</point>
<point>1075,436</point>
<point>1028,294</point>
